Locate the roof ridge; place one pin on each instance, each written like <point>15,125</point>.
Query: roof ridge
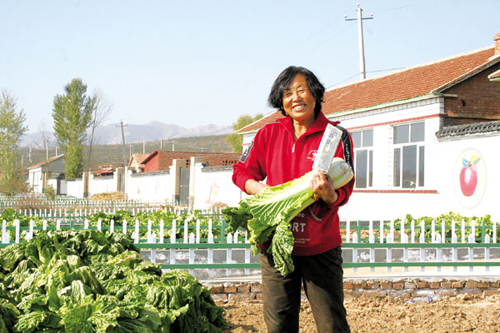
<point>397,71</point>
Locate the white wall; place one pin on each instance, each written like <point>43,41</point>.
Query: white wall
<point>214,185</point>
<point>101,185</point>
<point>35,179</point>
<point>149,186</point>
<point>74,188</point>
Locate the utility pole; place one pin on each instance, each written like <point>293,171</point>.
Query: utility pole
<point>123,143</point>
<point>360,19</point>
<point>46,148</point>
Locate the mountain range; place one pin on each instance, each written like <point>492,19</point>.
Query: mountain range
<point>153,131</point>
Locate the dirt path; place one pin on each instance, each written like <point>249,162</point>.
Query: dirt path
<point>464,313</point>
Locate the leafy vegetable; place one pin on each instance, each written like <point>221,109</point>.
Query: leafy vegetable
<point>87,281</point>
<point>269,213</point>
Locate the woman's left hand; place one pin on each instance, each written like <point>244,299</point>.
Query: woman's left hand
<point>323,188</point>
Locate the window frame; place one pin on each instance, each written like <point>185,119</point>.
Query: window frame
<point>400,146</point>
<point>358,148</point>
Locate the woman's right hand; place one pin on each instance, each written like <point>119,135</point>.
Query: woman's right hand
<point>253,187</point>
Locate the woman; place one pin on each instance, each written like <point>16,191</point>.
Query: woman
<point>280,152</point>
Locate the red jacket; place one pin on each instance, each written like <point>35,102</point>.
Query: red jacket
<point>275,154</point>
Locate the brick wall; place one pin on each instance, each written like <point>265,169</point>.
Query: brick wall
<point>404,289</point>
<point>477,100</point>
<point>164,159</point>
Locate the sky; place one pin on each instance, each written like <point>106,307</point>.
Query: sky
<point>195,62</point>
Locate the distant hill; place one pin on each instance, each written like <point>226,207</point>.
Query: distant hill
<point>112,154</point>
<point>153,131</point>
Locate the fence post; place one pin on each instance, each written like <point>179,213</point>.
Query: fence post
<point>18,229</point>
<point>137,231</point>
<point>422,240</point>
<point>355,251</point>
<point>191,252</point>
<point>487,252</point>
<point>438,252</point>
<point>494,231</point>
<point>210,251</point>
<point>404,240</point>
<point>173,240</point>
<point>471,250</point>
<point>247,254</point>
<point>372,250</point>
<point>454,240</point>
<point>186,231</point>
<point>197,231</point>
<point>152,240</point>
<point>413,231</point>
<point>4,232</point>
<point>229,253</point>
<point>162,231</point>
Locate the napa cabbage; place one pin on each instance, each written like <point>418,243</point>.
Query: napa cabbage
<point>89,281</point>
<point>267,215</point>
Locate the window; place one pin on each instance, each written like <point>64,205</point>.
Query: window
<point>363,158</point>
<point>409,155</point>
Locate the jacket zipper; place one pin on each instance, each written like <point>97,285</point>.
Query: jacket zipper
<point>293,148</point>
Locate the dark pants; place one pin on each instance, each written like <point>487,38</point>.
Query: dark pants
<point>322,276</point>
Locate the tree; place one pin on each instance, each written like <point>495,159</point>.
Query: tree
<point>12,128</point>
<point>72,115</point>
<point>235,140</point>
<point>100,113</point>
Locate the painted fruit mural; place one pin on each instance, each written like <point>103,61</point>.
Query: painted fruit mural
<point>468,175</point>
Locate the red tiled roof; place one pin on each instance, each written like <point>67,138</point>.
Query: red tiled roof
<point>52,159</point>
<point>421,80</point>
<point>139,157</point>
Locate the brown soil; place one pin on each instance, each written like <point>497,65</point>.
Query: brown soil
<point>464,313</point>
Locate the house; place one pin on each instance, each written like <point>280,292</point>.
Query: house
<point>135,162</point>
<point>425,137</point>
<point>163,160</point>
<point>48,173</point>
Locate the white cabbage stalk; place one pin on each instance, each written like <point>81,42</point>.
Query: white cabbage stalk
<point>274,208</point>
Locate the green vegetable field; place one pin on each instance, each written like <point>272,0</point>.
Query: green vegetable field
<point>89,281</point>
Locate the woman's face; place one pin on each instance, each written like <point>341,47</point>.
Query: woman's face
<point>298,101</point>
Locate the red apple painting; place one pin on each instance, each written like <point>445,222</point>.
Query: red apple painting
<point>468,175</point>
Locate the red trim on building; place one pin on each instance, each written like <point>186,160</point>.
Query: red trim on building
<point>407,120</point>
<point>397,191</point>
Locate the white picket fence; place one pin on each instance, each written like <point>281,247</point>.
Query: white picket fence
<point>153,242</point>
<point>382,249</point>
<point>439,251</point>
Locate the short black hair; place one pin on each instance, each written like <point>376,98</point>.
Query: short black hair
<point>283,80</point>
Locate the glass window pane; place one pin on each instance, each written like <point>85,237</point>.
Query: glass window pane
<point>417,132</point>
<point>421,163</point>
<point>361,168</point>
<point>370,169</point>
<point>401,133</point>
<point>410,166</point>
<point>368,138</point>
<point>397,167</point>
<point>356,139</point>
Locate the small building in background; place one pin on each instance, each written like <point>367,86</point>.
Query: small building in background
<point>48,173</point>
<point>135,162</point>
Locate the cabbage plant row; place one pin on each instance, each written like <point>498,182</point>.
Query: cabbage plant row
<point>119,217</point>
<point>90,281</point>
